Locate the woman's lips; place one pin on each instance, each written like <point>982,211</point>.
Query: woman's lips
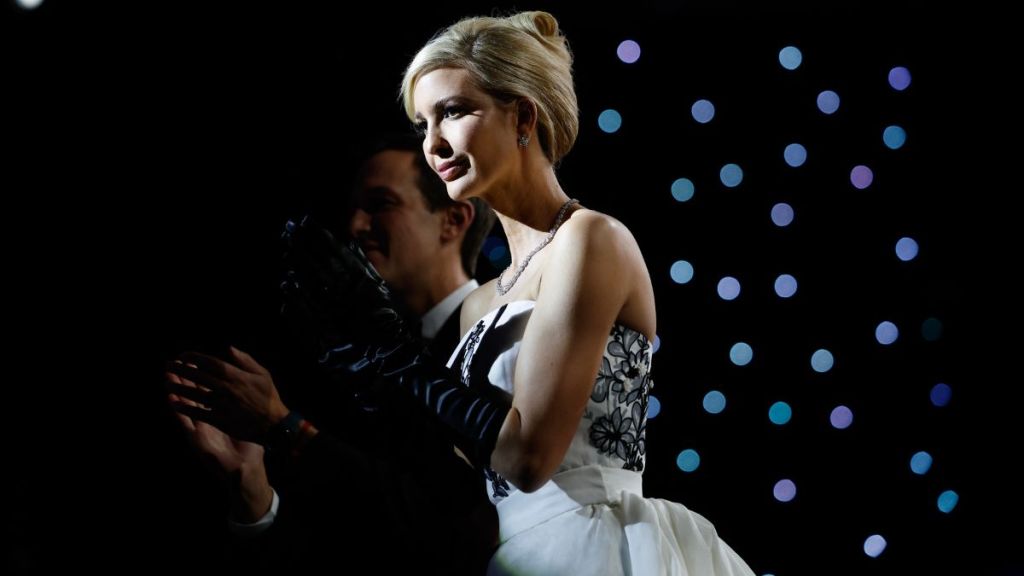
<point>451,170</point>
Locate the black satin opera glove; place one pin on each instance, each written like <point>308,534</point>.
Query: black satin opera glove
<point>332,290</point>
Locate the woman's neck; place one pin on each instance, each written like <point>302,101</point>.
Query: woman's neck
<point>527,209</point>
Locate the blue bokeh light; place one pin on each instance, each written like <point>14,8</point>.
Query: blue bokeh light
<point>741,354</point>
<point>702,111</point>
<point>688,460</point>
<point>728,288</point>
<point>886,333</point>
<point>790,57</point>
<point>894,137</point>
<point>681,272</point>
<point>714,402</point>
<point>899,78</point>
<point>821,360</point>
<point>906,249</point>
<point>731,175</point>
<point>682,189</point>
<point>828,101</point>
<point>782,214</point>
<point>795,155</point>
<point>780,413</point>
<point>609,121</point>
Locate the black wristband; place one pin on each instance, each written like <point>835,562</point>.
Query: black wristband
<point>282,435</point>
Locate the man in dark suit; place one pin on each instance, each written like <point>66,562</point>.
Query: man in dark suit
<point>373,467</point>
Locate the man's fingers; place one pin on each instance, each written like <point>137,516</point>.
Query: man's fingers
<point>208,367</point>
<point>196,413</point>
<point>196,376</point>
<point>186,422</point>
<point>201,415</point>
<point>197,397</point>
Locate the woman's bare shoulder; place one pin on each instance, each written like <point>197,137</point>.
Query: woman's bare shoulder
<point>588,227</point>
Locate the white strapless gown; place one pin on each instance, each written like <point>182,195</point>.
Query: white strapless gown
<point>591,517</point>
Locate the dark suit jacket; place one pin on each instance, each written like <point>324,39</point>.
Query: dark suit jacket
<point>383,473</point>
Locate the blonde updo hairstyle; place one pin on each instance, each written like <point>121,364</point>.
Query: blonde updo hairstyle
<point>524,55</point>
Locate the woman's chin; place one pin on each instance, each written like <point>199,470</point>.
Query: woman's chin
<point>459,189</point>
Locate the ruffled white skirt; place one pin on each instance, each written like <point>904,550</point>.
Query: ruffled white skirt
<point>595,520</point>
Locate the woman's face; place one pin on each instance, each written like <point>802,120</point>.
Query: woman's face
<point>469,137</point>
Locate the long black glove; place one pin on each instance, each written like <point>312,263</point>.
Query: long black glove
<point>330,287</point>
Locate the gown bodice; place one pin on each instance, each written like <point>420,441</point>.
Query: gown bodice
<point>611,432</point>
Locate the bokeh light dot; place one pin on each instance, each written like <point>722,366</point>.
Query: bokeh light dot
<point>795,155</point>
<point>841,417</point>
<point>782,214</point>
<point>886,333</point>
<point>681,272</point>
<point>497,254</point>
<point>784,490</point>
<point>899,78</point>
<point>728,288</point>
<point>948,500</point>
<point>702,111</point>
<point>682,189</point>
<point>861,177</point>
<point>921,462</point>
<point>731,175</point>
<point>628,51</point>
<point>931,329</point>
<point>714,402</point>
<point>688,460</point>
<point>874,545</point>
<point>828,101</point>
<point>906,249</point>
<point>821,360</point>
<point>894,137</point>
<point>741,354</point>
<point>780,413</point>
<point>785,286</point>
<point>609,121</point>
<point>653,406</point>
<point>940,394</point>
<point>790,57</point>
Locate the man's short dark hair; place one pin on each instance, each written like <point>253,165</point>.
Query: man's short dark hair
<point>436,195</point>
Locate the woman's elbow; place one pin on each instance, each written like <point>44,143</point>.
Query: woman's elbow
<point>530,480</point>
<point>528,474</point>
<point>527,461</point>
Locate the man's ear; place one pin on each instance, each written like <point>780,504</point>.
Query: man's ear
<point>457,219</point>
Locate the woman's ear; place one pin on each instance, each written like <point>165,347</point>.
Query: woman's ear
<point>526,116</point>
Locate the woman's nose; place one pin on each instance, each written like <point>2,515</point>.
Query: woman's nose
<point>434,144</point>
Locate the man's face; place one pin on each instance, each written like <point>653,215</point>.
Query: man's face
<point>391,220</point>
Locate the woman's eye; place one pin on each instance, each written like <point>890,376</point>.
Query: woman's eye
<point>420,128</point>
<point>452,112</point>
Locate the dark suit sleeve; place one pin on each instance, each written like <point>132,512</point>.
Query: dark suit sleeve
<point>447,338</point>
<point>329,514</point>
<point>378,490</point>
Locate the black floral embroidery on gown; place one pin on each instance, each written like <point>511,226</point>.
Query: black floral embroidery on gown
<point>623,383</point>
<point>612,431</point>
